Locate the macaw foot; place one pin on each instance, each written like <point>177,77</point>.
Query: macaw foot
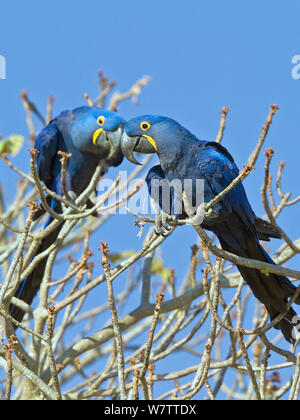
<point>211,214</point>
<point>163,221</point>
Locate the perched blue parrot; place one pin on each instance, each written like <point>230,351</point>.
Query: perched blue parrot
<point>182,157</point>
<point>89,135</point>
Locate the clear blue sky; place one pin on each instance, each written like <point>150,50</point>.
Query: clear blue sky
<point>202,55</point>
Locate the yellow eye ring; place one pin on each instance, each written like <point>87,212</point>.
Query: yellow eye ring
<point>101,120</point>
<point>145,126</point>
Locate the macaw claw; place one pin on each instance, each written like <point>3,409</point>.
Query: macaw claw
<point>211,214</point>
<point>163,221</point>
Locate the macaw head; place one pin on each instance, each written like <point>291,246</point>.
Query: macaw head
<point>97,131</point>
<point>151,134</point>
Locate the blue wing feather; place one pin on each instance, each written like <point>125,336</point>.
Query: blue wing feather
<point>218,170</point>
<point>47,145</point>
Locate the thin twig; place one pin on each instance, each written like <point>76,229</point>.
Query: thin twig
<point>9,348</point>
<point>224,113</point>
<point>159,300</point>
<point>115,321</point>
<point>133,93</point>
<point>295,389</point>
<point>52,364</point>
<point>248,364</point>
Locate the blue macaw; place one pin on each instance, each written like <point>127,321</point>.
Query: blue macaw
<point>89,134</point>
<point>183,156</point>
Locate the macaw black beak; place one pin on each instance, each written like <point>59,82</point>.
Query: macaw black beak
<point>114,137</point>
<point>135,144</point>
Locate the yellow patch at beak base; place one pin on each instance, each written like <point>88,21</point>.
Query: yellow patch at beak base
<point>151,141</point>
<point>96,135</point>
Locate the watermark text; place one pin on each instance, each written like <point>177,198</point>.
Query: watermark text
<point>296,68</point>
<point>161,194</point>
<point>2,67</point>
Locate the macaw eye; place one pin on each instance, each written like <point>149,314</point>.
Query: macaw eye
<point>145,126</point>
<point>101,120</point>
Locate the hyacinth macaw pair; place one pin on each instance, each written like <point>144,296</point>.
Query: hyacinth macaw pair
<point>91,134</point>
